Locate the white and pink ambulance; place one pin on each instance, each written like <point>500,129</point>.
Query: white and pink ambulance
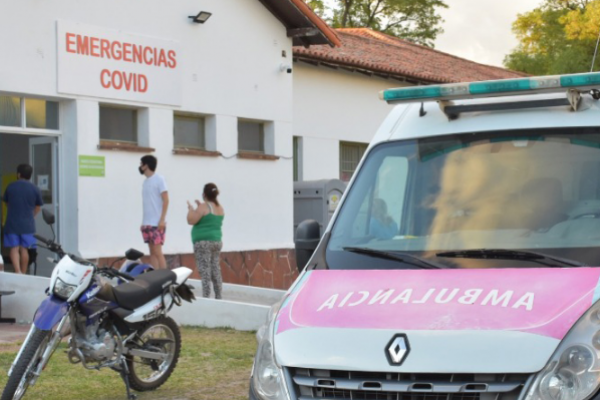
<point>463,260</point>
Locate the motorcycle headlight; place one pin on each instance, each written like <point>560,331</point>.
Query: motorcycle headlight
<point>63,290</point>
<point>267,376</point>
<point>573,372</point>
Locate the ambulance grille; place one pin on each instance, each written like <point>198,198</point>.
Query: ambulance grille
<point>353,385</point>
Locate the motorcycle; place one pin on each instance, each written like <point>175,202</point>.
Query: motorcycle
<point>115,318</point>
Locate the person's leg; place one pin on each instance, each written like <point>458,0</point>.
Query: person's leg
<point>157,253</point>
<point>15,258</point>
<point>217,278</point>
<point>11,241</point>
<point>201,253</point>
<point>24,259</point>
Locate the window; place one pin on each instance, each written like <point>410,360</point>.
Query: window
<point>41,114</point>
<point>189,132</point>
<point>350,155</point>
<point>118,124</point>
<point>21,112</point>
<point>251,136</point>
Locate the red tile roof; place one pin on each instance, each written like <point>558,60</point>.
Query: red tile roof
<point>302,24</point>
<point>370,51</point>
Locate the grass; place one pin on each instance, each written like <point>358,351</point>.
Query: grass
<point>214,364</point>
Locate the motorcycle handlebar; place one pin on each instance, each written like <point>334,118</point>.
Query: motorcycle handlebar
<point>124,275</point>
<point>114,272</point>
<point>42,239</point>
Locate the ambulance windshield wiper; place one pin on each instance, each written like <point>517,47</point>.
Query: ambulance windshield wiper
<point>396,256</point>
<point>503,254</point>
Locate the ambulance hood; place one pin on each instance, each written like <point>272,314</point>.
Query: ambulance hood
<point>435,321</point>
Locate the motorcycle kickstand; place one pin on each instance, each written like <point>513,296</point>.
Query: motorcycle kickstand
<point>124,372</point>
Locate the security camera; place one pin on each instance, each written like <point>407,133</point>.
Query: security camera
<point>286,67</point>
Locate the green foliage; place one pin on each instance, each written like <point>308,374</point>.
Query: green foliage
<point>555,38</point>
<point>415,20</point>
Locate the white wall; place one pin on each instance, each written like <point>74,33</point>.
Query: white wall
<point>332,106</point>
<point>230,69</point>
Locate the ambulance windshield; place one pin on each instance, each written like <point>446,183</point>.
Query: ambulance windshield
<point>520,190</point>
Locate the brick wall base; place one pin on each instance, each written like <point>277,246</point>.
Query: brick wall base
<point>273,269</point>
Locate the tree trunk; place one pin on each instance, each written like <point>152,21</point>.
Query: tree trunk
<point>347,7</point>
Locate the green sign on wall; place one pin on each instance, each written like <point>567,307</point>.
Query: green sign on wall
<point>92,166</point>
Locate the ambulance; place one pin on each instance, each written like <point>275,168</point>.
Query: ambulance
<point>463,260</point>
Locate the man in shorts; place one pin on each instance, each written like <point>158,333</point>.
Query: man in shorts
<point>23,201</point>
<point>155,200</point>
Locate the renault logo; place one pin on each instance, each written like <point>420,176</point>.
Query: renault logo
<point>397,350</point>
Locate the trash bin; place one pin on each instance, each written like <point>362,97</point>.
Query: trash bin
<point>316,200</point>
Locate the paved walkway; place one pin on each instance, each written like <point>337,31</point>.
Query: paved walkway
<point>11,333</point>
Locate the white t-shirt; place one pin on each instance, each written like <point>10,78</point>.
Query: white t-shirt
<point>152,190</point>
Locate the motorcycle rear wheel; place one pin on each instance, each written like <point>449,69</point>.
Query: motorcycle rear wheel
<point>161,335</point>
<point>21,376</point>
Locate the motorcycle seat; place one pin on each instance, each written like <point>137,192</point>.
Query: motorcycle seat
<point>144,288</point>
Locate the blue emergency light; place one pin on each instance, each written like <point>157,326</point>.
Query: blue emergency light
<point>455,91</point>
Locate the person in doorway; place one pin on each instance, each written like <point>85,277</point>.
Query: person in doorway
<point>23,201</point>
<point>207,220</point>
<point>155,201</point>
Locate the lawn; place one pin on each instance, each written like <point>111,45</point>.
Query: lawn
<point>214,364</point>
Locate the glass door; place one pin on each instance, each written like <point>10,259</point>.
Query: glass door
<point>43,159</point>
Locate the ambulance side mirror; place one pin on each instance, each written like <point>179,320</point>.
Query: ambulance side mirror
<point>308,235</point>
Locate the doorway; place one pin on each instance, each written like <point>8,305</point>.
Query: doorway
<point>41,152</point>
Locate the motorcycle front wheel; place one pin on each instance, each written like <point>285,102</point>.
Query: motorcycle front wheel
<point>162,336</point>
<point>22,374</point>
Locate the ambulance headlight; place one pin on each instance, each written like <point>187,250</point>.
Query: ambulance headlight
<point>573,372</point>
<point>267,377</point>
<point>63,290</point>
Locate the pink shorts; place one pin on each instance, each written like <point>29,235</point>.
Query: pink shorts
<point>152,235</point>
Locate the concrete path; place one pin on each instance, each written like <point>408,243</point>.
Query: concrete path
<point>11,333</point>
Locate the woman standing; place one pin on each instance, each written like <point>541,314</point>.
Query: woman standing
<point>207,219</point>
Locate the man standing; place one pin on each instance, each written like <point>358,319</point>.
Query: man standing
<point>23,200</point>
<point>156,202</point>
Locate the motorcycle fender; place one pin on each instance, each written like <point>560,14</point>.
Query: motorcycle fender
<point>148,311</point>
<point>50,313</point>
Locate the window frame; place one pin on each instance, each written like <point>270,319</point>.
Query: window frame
<point>360,147</point>
<point>262,137</point>
<point>22,128</point>
<point>203,119</point>
<point>104,141</point>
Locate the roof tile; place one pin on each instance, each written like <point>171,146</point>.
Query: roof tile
<point>377,52</point>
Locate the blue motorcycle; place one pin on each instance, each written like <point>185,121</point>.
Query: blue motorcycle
<point>115,318</point>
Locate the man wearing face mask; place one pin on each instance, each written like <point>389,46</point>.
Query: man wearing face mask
<point>155,202</point>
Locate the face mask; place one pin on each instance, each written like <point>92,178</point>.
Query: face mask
<point>141,170</point>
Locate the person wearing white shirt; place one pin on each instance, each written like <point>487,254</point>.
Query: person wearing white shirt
<point>155,201</point>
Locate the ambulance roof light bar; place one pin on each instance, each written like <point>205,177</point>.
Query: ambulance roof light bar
<point>504,87</point>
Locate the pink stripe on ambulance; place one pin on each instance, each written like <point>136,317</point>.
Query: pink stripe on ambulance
<point>541,301</point>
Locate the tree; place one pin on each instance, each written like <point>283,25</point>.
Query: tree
<point>556,38</point>
<point>414,20</point>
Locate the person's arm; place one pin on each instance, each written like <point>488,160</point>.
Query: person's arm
<point>194,214</point>
<point>162,224</point>
<point>36,210</point>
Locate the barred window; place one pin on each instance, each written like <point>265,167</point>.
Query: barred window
<point>189,132</point>
<point>118,124</point>
<point>251,136</point>
<point>350,155</point>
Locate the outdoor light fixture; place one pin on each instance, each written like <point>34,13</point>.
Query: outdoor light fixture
<point>201,18</point>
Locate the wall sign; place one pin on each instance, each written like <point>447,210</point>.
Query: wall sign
<point>100,62</point>
<point>92,166</point>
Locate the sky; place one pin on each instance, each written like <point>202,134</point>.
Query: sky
<point>481,30</point>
